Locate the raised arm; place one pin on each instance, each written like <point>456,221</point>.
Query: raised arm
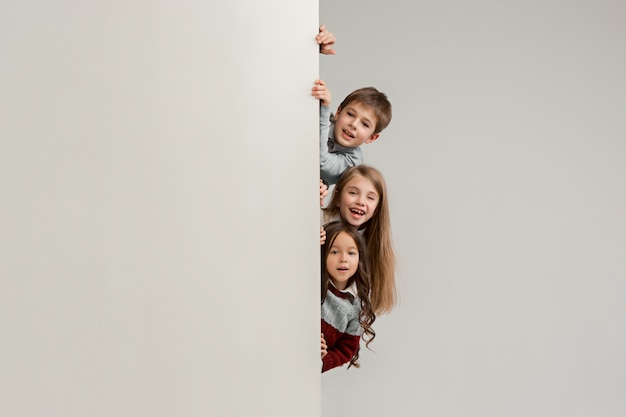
<point>332,164</point>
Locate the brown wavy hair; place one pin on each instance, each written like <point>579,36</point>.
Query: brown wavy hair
<point>360,277</point>
<point>377,235</point>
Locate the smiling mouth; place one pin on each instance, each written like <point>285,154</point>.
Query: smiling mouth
<point>348,133</point>
<point>357,211</point>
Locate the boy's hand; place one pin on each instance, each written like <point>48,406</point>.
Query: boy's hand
<point>323,192</point>
<point>324,347</point>
<point>325,40</point>
<point>320,92</point>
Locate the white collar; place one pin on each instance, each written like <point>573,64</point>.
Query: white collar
<point>350,290</point>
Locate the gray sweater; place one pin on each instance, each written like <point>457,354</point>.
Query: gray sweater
<point>334,158</point>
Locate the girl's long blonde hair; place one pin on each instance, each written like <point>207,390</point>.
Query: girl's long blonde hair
<point>377,234</point>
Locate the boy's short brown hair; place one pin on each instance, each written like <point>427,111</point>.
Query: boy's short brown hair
<point>377,100</point>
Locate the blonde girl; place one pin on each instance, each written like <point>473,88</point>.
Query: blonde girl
<point>360,199</point>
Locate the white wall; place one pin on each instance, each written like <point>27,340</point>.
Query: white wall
<point>158,209</point>
<point>505,161</point>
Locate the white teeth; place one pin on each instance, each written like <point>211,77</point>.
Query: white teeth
<point>357,211</point>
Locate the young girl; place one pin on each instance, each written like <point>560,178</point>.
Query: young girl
<point>346,311</point>
<point>360,199</point>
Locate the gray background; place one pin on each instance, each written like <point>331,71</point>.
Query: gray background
<point>506,166</point>
<point>158,209</point>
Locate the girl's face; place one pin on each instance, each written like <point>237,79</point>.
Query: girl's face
<point>342,260</point>
<point>358,201</point>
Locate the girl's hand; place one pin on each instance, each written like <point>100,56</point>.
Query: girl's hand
<point>322,236</point>
<point>323,192</point>
<point>325,40</point>
<point>324,347</point>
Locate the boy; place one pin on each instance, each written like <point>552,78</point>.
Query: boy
<point>359,119</point>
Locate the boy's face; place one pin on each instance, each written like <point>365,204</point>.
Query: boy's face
<point>354,125</point>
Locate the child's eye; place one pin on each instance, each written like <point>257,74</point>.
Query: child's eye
<point>366,125</point>
<point>371,198</point>
<point>350,114</point>
<point>353,253</point>
<point>352,192</point>
<point>333,252</point>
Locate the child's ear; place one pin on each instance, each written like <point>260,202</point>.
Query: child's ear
<point>373,138</point>
<point>337,112</point>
